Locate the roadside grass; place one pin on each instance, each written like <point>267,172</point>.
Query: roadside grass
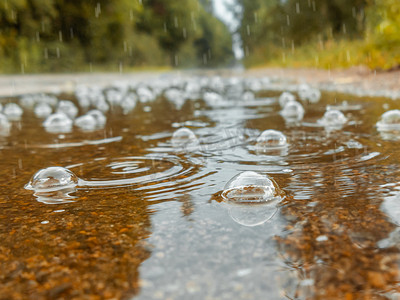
<point>328,55</point>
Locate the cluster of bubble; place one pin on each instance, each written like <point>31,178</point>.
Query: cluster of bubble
<point>95,102</point>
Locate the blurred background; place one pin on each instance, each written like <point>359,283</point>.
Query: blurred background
<point>124,35</point>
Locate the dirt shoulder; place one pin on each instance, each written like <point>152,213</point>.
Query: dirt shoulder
<point>358,77</point>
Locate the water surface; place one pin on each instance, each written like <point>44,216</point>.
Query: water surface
<point>156,227</point>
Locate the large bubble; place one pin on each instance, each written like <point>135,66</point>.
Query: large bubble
<point>271,139</point>
<point>390,121</point>
<point>184,138</point>
<point>52,179</point>
<point>251,187</point>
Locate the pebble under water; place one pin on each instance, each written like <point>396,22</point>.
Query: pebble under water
<point>199,188</point>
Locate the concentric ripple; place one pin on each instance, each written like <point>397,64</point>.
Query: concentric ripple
<point>143,172</point>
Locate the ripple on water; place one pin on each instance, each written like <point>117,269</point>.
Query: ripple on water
<point>149,173</point>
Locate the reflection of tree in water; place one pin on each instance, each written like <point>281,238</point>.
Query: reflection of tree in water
<point>333,235</point>
<point>187,206</point>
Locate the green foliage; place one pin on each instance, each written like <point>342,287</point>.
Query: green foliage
<point>73,35</point>
<point>322,33</point>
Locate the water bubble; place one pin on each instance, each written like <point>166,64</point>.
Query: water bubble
<point>184,138</point>
<point>251,187</point>
<point>99,117</point>
<point>286,97</point>
<point>313,95</point>
<point>43,110</point>
<point>83,101</point>
<point>86,122</point>
<point>68,108</point>
<point>390,121</point>
<point>212,98</point>
<point>145,94</point>
<point>333,118</point>
<point>293,111</point>
<point>58,123</point>
<point>303,91</point>
<point>271,139</point>
<point>248,96</point>
<point>52,179</point>
<point>176,97</point>
<point>114,97</point>
<point>13,111</point>
<point>27,101</point>
<point>129,103</point>
<point>101,104</point>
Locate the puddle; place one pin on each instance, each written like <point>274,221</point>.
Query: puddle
<point>148,219</point>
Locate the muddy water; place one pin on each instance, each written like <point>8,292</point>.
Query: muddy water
<point>161,230</point>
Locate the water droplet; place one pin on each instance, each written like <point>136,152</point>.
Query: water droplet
<point>251,187</point>
<point>129,103</point>
<point>43,110</point>
<point>293,111</point>
<point>184,138</point>
<point>248,96</point>
<point>58,123</point>
<point>286,97</point>
<point>52,179</point>
<point>12,111</point>
<point>68,108</point>
<point>99,117</point>
<point>390,121</point>
<point>271,139</point>
<point>333,118</point>
<point>86,122</point>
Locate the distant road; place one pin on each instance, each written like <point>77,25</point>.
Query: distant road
<point>357,77</point>
<point>14,85</point>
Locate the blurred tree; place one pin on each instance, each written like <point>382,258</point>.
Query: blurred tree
<point>49,35</point>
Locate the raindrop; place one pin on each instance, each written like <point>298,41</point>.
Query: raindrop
<point>251,187</point>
